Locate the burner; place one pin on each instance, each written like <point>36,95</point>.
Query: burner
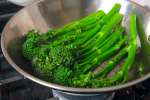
<point>75,96</point>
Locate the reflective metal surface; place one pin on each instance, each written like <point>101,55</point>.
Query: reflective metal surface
<point>47,14</point>
<point>74,96</point>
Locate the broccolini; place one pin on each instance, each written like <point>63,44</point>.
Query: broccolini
<point>70,55</point>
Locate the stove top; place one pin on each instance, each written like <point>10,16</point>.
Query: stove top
<point>14,86</point>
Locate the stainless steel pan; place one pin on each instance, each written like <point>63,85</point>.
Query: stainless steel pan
<point>47,14</point>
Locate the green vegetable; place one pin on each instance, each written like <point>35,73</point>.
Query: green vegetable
<point>69,55</point>
<point>114,37</point>
<point>104,32</point>
<point>95,60</point>
<point>29,47</point>
<point>71,35</point>
<point>112,63</point>
<point>103,21</point>
<point>115,9</point>
<point>85,36</point>
<point>132,46</point>
<point>62,75</point>
<point>42,64</point>
<point>49,58</point>
<point>81,24</point>
<point>122,74</point>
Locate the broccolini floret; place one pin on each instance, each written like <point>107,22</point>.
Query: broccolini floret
<point>50,58</point>
<point>30,47</point>
<point>42,64</point>
<point>62,75</point>
<point>61,55</point>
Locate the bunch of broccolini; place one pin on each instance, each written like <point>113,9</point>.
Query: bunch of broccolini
<point>71,54</point>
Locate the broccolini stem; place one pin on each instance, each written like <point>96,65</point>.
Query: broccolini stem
<point>90,19</point>
<point>123,73</point>
<point>132,47</point>
<point>115,9</point>
<point>97,51</point>
<point>114,38</point>
<point>105,32</point>
<point>85,24</point>
<point>104,20</point>
<point>81,39</point>
<point>96,60</point>
<point>81,27</point>
<point>111,63</point>
<point>72,35</point>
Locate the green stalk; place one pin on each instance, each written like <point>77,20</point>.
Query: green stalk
<point>96,60</point>
<point>103,43</point>
<point>97,51</point>
<point>105,20</point>
<point>82,23</point>
<point>104,33</point>
<point>72,35</point>
<point>123,73</point>
<point>74,28</point>
<point>112,63</point>
<point>132,47</point>
<point>115,9</point>
<point>114,37</point>
<point>79,32</point>
<point>85,36</point>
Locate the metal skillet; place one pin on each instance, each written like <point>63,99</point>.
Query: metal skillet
<point>46,14</point>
